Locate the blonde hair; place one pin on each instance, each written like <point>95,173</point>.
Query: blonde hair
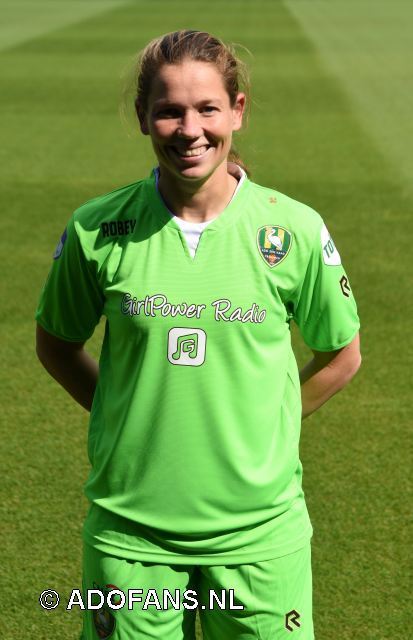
<point>173,48</point>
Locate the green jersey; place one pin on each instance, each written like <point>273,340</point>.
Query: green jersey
<point>195,424</point>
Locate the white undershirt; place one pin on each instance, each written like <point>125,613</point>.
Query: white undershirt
<point>192,230</point>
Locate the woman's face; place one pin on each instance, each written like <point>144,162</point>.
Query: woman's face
<point>190,119</point>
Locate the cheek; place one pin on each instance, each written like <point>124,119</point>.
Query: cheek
<point>225,128</point>
<point>161,131</point>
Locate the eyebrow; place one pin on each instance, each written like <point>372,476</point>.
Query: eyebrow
<point>162,102</point>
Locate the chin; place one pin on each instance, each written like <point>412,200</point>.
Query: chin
<point>195,173</point>
<point>189,173</point>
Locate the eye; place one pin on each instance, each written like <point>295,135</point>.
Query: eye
<point>209,109</point>
<point>170,112</point>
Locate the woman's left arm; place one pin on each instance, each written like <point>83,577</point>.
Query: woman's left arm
<point>327,373</point>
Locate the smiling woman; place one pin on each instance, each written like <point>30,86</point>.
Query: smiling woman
<point>196,405</point>
<point>190,113</point>
<point>190,107</point>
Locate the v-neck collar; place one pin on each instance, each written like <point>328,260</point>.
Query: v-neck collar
<point>227,217</point>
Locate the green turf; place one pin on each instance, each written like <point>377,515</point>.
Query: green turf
<point>366,44</point>
<point>62,142</point>
<point>24,20</point>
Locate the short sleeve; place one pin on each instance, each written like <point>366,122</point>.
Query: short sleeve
<point>325,309</point>
<point>71,302</point>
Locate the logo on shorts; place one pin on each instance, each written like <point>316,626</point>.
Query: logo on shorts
<point>274,243</point>
<point>292,617</point>
<point>104,623</point>
<point>103,618</point>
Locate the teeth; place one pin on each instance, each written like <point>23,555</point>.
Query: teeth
<point>188,153</point>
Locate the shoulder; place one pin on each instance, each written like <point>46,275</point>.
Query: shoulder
<point>105,219</point>
<point>109,206</point>
<point>109,218</point>
<point>274,207</point>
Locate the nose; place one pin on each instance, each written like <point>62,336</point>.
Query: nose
<point>190,126</point>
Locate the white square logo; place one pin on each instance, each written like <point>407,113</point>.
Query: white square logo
<point>186,346</point>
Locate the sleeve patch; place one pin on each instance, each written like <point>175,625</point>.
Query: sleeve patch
<point>60,245</point>
<point>330,254</point>
<point>345,286</point>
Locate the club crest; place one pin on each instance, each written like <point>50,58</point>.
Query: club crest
<point>274,243</point>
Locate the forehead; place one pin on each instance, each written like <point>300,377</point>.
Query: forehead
<point>188,81</point>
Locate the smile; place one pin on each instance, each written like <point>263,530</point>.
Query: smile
<point>191,153</point>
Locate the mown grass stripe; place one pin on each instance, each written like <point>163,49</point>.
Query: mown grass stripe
<point>24,20</point>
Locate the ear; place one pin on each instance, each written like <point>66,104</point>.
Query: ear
<point>238,111</point>
<point>142,118</point>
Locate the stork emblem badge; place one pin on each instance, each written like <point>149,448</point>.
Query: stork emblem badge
<point>274,244</point>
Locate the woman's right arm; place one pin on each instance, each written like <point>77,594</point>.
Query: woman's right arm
<point>69,364</point>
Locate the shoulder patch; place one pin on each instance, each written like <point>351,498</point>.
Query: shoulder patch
<point>330,254</point>
<point>274,244</point>
<point>60,245</point>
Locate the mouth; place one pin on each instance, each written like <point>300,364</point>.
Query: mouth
<point>195,152</point>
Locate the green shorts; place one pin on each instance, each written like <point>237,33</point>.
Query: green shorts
<point>269,600</point>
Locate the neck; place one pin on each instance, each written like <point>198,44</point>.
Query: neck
<point>198,201</point>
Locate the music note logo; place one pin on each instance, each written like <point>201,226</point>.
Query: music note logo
<point>186,346</point>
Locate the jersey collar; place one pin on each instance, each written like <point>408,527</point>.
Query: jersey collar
<point>227,217</point>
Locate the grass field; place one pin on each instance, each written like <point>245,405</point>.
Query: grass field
<point>331,126</point>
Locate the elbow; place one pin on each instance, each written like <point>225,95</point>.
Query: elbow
<point>44,350</point>
<point>350,370</point>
